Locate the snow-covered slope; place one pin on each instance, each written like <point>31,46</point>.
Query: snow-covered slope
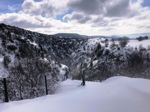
<point>58,49</point>
<point>136,43</point>
<point>116,94</point>
<point>24,63</point>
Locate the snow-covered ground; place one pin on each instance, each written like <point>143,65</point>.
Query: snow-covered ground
<point>133,43</point>
<point>116,94</point>
<point>136,43</point>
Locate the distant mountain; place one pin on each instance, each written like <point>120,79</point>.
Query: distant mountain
<point>78,36</point>
<point>134,35</point>
<point>71,35</point>
<point>131,36</point>
<point>115,36</point>
<point>99,36</point>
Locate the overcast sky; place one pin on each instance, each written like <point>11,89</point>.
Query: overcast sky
<point>88,17</point>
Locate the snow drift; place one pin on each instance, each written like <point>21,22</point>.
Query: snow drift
<point>116,94</point>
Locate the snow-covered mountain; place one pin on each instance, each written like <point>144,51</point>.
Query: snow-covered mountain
<point>24,63</point>
<point>100,52</point>
<point>57,48</point>
<point>105,59</point>
<point>26,57</point>
<point>71,35</point>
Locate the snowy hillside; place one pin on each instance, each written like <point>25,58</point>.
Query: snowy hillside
<point>29,56</point>
<point>24,63</point>
<point>106,58</point>
<point>136,43</point>
<point>58,49</point>
<point>116,94</point>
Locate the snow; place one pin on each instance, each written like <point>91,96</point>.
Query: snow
<point>46,60</point>
<point>22,37</point>
<point>116,94</point>
<point>12,57</point>
<point>94,41</point>
<point>63,69</point>
<point>136,43</point>
<point>91,44</point>
<point>3,72</point>
<point>95,62</point>
<point>33,43</point>
<point>1,59</point>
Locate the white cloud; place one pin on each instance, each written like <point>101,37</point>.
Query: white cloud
<point>96,17</point>
<point>35,23</point>
<point>13,7</point>
<point>77,17</point>
<point>24,21</point>
<point>49,8</point>
<point>110,8</point>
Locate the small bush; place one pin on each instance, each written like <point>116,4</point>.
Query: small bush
<point>123,41</point>
<point>11,47</point>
